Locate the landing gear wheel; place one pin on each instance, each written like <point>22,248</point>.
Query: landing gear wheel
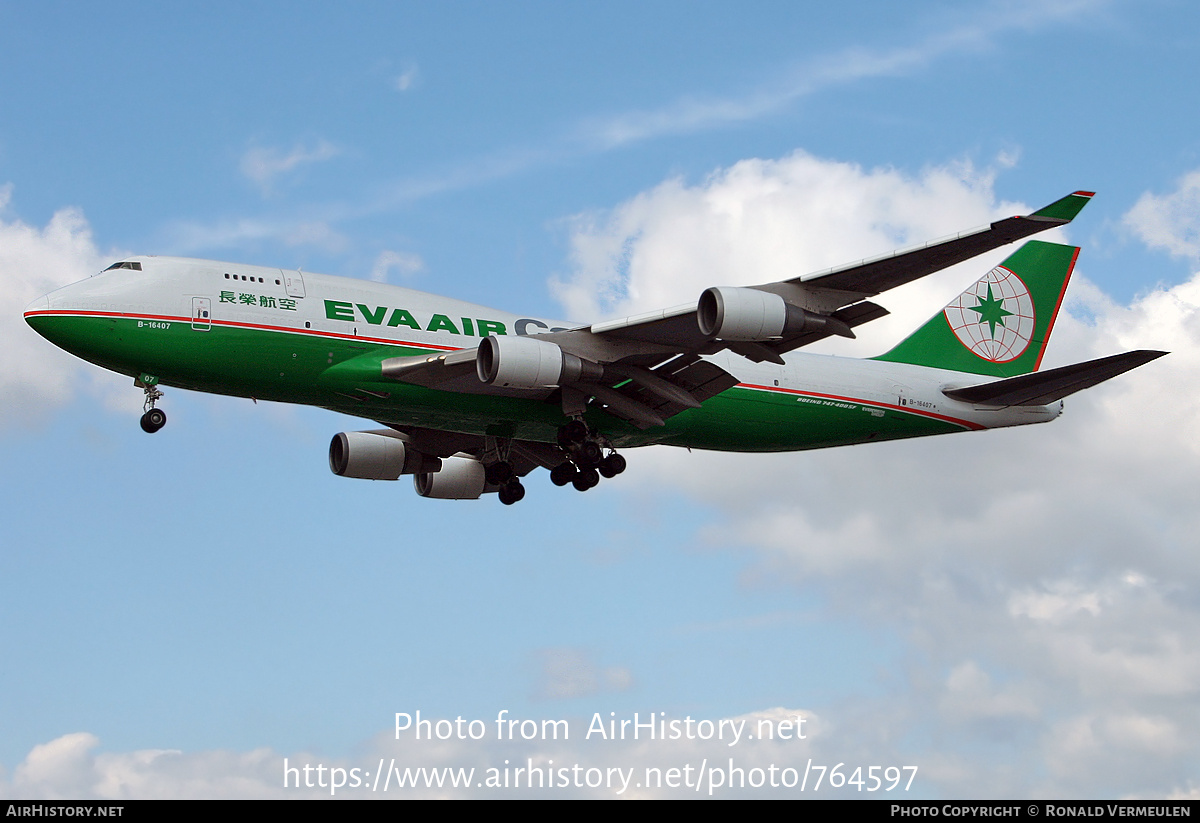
<point>511,492</point>
<point>153,420</point>
<point>586,479</point>
<point>590,454</point>
<point>612,465</point>
<point>563,473</point>
<point>498,473</point>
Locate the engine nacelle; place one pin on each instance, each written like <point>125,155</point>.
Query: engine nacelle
<point>372,456</point>
<point>748,315</point>
<point>528,363</point>
<point>460,478</point>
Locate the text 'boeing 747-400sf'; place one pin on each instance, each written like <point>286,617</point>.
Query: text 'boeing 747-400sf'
<point>471,400</point>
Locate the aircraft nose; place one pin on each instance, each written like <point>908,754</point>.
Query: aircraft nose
<point>36,315</point>
<point>40,304</point>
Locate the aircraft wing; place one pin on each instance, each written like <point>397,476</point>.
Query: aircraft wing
<point>644,393</point>
<point>876,275</point>
<point>834,301</point>
<point>648,367</point>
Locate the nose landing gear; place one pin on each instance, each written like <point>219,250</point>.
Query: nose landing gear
<point>153,419</point>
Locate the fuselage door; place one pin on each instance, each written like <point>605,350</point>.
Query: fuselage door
<point>293,281</point>
<point>201,313</point>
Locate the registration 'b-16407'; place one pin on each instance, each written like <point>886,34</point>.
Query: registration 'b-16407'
<point>470,400</point>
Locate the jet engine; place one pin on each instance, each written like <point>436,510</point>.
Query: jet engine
<point>375,456</point>
<point>749,315</point>
<point>528,363</point>
<point>460,478</point>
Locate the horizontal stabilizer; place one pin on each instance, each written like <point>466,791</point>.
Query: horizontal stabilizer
<point>1044,387</point>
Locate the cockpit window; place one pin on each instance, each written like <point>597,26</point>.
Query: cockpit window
<point>127,264</point>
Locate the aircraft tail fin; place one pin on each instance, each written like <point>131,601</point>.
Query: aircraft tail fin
<point>1054,384</point>
<point>999,326</point>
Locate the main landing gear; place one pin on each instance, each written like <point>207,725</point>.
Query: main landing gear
<point>501,474</point>
<point>586,461</point>
<point>511,492</point>
<point>153,419</point>
<point>586,458</point>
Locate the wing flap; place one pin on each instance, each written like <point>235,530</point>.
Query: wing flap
<point>699,378</point>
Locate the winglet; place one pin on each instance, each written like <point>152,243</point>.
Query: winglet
<point>1067,208</point>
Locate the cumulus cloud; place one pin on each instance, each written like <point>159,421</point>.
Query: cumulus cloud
<point>1170,221</point>
<point>263,165</point>
<point>970,693</point>
<point>35,375</point>
<point>69,767</point>
<point>1038,577</point>
<point>764,220</point>
<point>582,756</point>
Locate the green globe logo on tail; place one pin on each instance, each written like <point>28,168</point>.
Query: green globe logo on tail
<point>995,318</point>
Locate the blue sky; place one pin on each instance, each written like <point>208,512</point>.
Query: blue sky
<point>1009,611</point>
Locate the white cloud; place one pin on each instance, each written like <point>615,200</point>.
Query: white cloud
<point>764,220</point>
<point>1192,792</point>
<point>745,747</point>
<point>1048,637</point>
<point>1170,221</point>
<point>36,376</point>
<point>971,694</point>
<point>1066,602</point>
<point>68,767</point>
<point>1037,577</point>
<point>406,264</point>
<point>1097,748</point>
<point>263,165</point>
